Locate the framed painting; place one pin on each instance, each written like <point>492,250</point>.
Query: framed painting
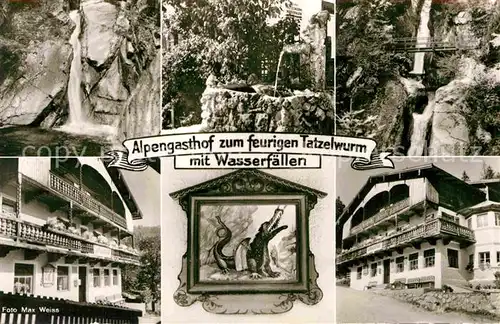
<point>248,244</point>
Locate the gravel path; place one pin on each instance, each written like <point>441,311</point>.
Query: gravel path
<point>367,307</point>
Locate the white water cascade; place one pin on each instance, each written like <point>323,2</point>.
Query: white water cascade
<point>78,122</point>
<point>423,36</point>
<point>76,115</point>
<point>278,71</point>
<point>421,124</point>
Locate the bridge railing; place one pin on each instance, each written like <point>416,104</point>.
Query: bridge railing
<point>432,43</point>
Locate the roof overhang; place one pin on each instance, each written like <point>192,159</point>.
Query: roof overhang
<point>423,171</point>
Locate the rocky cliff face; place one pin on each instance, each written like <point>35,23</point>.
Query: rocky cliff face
<point>119,44</point>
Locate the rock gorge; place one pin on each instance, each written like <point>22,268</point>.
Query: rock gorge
<point>447,109</point>
<point>120,70</point>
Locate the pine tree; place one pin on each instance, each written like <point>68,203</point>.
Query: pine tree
<point>465,177</point>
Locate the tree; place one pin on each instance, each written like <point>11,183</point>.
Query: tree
<point>145,279</point>
<point>465,177</point>
<point>339,209</point>
<point>489,173</point>
<point>230,39</point>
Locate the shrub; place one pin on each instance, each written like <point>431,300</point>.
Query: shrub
<point>9,62</point>
<point>447,289</point>
<point>481,109</point>
<point>497,280</point>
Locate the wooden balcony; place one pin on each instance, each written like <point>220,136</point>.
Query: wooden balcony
<point>77,195</point>
<point>41,235</point>
<point>67,311</point>
<point>381,216</point>
<point>432,230</point>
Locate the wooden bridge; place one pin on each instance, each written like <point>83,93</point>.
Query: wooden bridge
<point>431,44</point>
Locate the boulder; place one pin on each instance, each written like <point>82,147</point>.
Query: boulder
<point>46,75</point>
<point>100,39</point>
<point>141,116</point>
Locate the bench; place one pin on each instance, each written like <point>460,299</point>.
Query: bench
<point>371,284</point>
<point>399,283</point>
<point>421,281</point>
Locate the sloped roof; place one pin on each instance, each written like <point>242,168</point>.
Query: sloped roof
<point>124,189</point>
<point>426,170</point>
<point>245,181</point>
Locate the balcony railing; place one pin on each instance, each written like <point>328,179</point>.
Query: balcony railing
<point>39,235</point>
<point>76,194</point>
<point>381,215</point>
<point>427,229</point>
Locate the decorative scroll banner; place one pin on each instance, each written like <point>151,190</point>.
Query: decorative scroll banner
<point>248,150</point>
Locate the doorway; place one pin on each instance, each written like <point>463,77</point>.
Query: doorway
<point>387,271</point>
<point>82,288</point>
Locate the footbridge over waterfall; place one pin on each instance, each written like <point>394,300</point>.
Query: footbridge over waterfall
<point>431,44</point>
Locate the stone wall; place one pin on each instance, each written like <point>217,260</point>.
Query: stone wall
<point>470,302</point>
<point>233,111</point>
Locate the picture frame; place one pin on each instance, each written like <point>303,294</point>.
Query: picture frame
<point>225,286</point>
<point>218,206</point>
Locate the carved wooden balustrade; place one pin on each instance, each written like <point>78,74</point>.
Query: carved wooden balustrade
<point>15,228</point>
<point>67,189</point>
<point>432,228</point>
<point>389,211</point>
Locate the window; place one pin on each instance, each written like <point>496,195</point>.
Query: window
<point>482,220</point>
<point>469,222</point>
<point>97,277</point>
<point>373,271</point>
<point>8,206</point>
<point>413,261</point>
<point>453,258</point>
<point>497,219</point>
<point>62,278</point>
<point>359,272</point>
<point>449,217</point>
<point>484,258</point>
<point>106,277</point>
<point>471,259</point>
<point>23,278</point>
<point>498,258</point>
<point>429,258</point>
<point>400,264</point>
<point>115,277</point>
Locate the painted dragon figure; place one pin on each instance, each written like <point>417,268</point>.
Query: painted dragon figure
<point>252,255</point>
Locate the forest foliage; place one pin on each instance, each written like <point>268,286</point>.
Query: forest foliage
<point>231,39</point>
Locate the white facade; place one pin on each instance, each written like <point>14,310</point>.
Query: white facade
<point>52,244</point>
<point>485,253</point>
<point>420,239</point>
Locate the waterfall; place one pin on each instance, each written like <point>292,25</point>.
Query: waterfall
<point>421,124</point>
<point>76,115</point>
<point>278,71</point>
<point>78,122</point>
<point>423,36</point>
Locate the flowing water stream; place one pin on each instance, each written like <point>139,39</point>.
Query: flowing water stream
<point>422,122</point>
<point>421,125</point>
<point>78,122</point>
<point>79,136</point>
<point>278,71</point>
<point>423,37</point>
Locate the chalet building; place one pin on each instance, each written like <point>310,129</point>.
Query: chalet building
<point>65,229</point>
<point>421,227</point>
